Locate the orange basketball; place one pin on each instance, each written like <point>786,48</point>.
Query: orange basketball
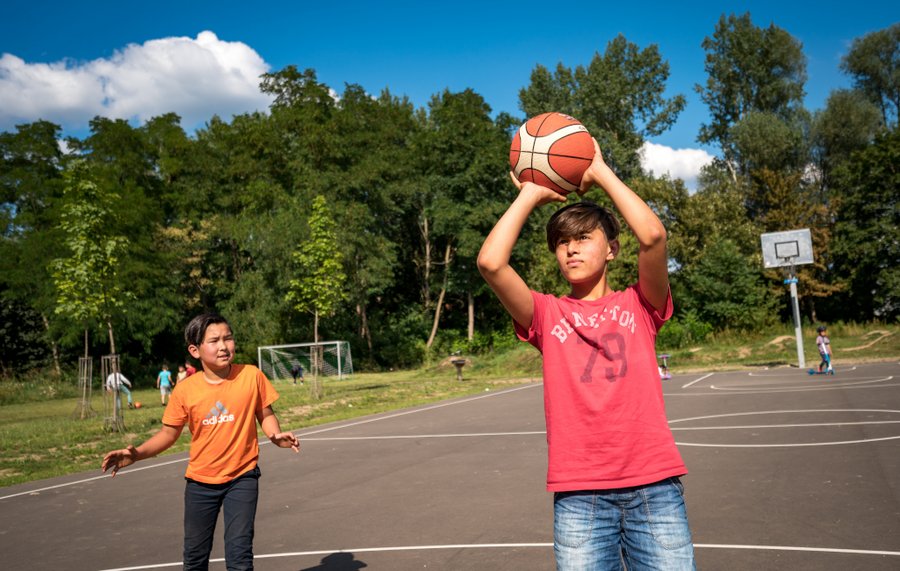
<point>552,150</point>
<point>137,404</point>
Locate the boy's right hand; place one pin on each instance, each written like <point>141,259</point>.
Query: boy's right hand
<point>542,194</point>
<point>118,459</point>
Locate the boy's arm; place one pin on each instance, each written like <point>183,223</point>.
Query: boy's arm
<point>162,440</point>
<point>270,426</point>
<point>653,262</point>
<point>493,259</point>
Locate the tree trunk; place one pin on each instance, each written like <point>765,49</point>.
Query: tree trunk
<point>364,331</point>
<point>426,270</point>
<point>112,340</point>
<point>86,354</point>
<point>54,348</point>
<point>437,310</point>
<point>471,330</point>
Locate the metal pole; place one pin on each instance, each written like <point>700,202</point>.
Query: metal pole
<point>798,330</point>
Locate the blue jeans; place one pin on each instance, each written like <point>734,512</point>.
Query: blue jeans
<point>202,503</point>
<point>638,529</point>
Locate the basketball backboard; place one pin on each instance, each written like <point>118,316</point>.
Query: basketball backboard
<point>790,248</point>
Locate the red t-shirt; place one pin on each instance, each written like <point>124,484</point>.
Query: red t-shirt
<point>222,421</point>
<point>603,402</point>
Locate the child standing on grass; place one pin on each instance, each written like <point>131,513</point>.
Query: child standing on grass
<point>613,465</point>
<point>164,384</point>
<point>221,407</point>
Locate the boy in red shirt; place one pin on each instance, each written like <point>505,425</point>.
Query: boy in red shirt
<point>221,407</point>
<point>613,465</point>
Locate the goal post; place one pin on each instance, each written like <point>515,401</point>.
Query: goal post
<point>276,361</point>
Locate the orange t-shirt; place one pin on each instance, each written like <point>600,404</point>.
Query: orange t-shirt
<point>222,421</point>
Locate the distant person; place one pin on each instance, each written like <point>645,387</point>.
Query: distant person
<point>164,384</point>
<point>182,374</point>
<point>613,464</point>
<point>189,368</point>
<point>221,407</point>
<point>297,373</point>
<point>823,344</point>
<point>118,383</point>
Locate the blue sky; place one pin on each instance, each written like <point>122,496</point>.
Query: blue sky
<point>54,54</point>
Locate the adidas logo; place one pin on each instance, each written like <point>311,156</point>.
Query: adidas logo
<point>218,415</point>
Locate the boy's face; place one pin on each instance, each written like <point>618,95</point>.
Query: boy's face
<point>217,349</point>
<point>583,258</point>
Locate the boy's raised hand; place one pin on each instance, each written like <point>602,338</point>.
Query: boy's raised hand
<point>593,173</point>
<point>118,459</point>
<point>286,440</point>
<point>543,194</point>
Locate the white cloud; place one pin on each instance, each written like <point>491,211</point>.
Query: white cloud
<point>194,77</point>
<point>677,163</point>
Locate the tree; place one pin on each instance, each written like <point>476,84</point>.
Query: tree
<point>618,97</point>
<point>867,231</point>
<point>749,69</point>
<point>874,63</point>
<point>87,280</point>
<point>319,287</point>
<point>725,289</point>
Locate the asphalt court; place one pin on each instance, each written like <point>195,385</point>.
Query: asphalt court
<point>787,471</point>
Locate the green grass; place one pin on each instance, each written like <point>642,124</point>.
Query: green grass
<point>41,439</point>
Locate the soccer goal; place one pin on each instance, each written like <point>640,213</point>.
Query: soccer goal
<point>276,361</point>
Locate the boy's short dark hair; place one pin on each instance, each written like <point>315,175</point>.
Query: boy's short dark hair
<point>581,218</point>
<point>196,329</point>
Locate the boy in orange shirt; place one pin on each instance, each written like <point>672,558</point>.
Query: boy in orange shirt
<point>221,408</point>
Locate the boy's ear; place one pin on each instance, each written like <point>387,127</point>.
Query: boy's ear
<point>613,250</point>
<point>194,351</point>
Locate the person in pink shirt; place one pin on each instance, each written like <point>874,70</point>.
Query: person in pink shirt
<point>613,465</point>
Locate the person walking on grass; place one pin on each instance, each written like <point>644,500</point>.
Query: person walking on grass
<point>164,384</point>
<point>613,465</point>
<point>221,407</point>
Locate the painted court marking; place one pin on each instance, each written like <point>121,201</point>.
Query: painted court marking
<point>357,551</point>
<point>791,425</point>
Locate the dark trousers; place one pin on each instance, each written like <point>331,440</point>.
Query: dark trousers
<point>202,503</point>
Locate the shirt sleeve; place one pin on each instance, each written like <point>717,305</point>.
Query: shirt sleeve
<point>267,393</point>
<point>531,334</point>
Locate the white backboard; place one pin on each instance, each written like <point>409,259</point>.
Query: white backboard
<point>790,248</point>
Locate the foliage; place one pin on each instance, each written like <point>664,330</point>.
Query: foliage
<point>873,61</point>
<point>619,97</point>
<point>748,69</point>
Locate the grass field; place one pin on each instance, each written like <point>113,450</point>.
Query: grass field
<point>41,439</point>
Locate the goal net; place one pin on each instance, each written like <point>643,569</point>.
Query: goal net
<point>276,361</point>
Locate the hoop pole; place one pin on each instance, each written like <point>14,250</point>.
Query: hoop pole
<point>798,329</point>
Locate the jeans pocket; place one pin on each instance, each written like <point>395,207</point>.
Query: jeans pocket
<point>667,514</point>
<point>573,516</point>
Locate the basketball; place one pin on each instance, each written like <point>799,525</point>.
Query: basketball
<point>552,150</point>
<point>137,404</point>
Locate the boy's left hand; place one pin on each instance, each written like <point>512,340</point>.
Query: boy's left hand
<point>286,440</point>
<point>591,175</point>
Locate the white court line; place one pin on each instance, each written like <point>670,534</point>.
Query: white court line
<point>418,436</point>
<point>798,425</point>
<point>265,441</point>
<point>706,376</point>
<point>831,386</point>
<point>354,552</point>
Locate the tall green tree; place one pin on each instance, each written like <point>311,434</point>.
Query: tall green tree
<point>748,69</point>
<point>319,286</point>
<point>87,280</point>
<point>619,97</point>
<point>873,62</point>
<point>867,231</point>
